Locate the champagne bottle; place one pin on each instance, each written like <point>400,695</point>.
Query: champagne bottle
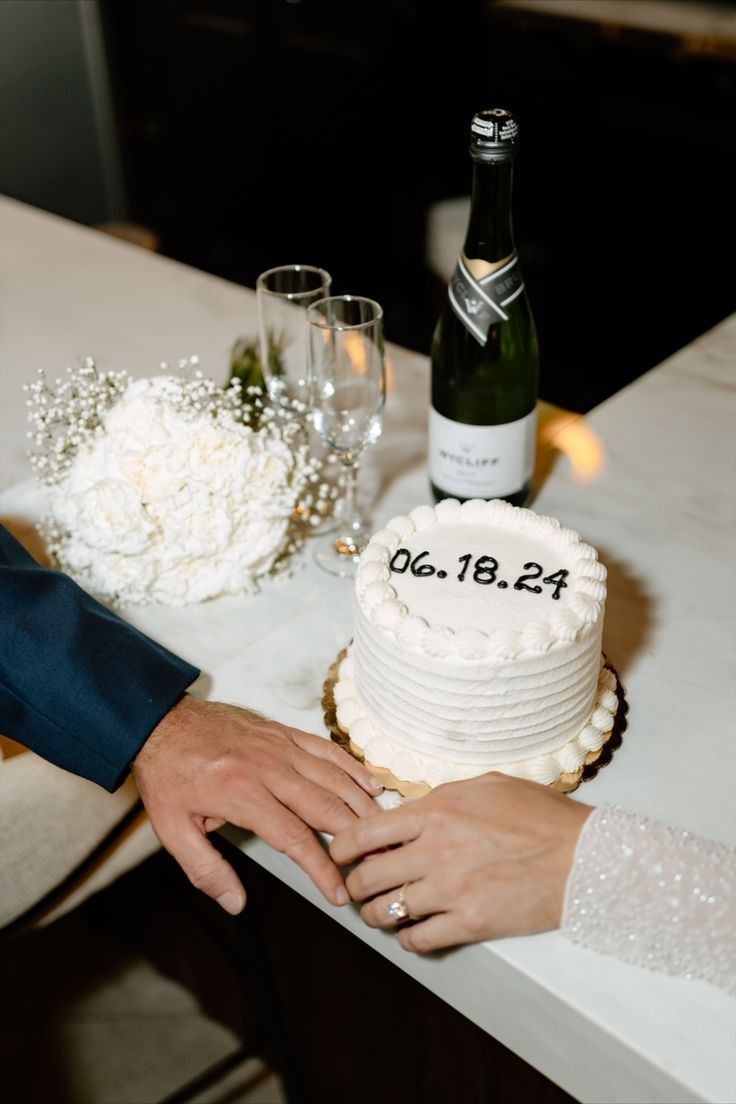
<point>484,351</point>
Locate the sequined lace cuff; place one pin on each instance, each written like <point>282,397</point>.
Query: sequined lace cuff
<point>653,895</point>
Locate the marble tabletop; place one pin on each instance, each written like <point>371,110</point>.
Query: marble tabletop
<point>647,478</point>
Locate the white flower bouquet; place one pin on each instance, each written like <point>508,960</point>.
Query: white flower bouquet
<point>168,489</point>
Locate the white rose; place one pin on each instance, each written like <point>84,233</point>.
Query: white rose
<point>215,457</point>
<point>108,573</point>
<point>136,419</point>
<point>91,464</point>
<point>176,585</point>
<point>129,577</point>
<point>259,542</point>
<point>155,474</point>
<point>109,517</point>
<point>199,580</point>
<point>266,474</point>
<point>194,525</point>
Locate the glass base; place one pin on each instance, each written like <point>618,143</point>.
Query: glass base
<point>340,555</point>
<point>303,529</point>
<point>332,561</point>
<point>325,525</point>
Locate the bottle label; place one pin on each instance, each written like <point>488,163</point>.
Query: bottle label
<point>473,461</point>
<point>480,304</point>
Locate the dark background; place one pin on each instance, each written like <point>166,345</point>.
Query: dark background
<point>262,132</point>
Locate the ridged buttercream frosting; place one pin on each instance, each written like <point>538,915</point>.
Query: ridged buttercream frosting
<point>477,646</point>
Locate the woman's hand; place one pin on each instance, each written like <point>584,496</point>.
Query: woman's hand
<point>479,859</point>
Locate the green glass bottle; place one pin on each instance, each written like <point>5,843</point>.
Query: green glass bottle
<point>485,358</point>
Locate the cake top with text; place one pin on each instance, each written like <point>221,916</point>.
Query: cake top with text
<point>492,574</point>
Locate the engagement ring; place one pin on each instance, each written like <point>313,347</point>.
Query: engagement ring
<point>397,909</point>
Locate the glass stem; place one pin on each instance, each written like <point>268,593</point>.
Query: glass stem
<point>350,468</point>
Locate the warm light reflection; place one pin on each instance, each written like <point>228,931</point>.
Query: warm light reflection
<point>582,448</point>
<point>568,433</point>
<point>390,376</point>
<point>354,345</point>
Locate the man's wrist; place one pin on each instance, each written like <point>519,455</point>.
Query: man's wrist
<point>171,720</point>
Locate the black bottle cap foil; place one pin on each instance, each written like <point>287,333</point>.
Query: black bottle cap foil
<point>494,135</point>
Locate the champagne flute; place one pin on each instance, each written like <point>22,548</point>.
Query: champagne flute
<point>283,294</point>
<point>347,389</point>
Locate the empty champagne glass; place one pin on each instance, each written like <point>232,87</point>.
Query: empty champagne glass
<point>283,294</point>
<point>347,389</point>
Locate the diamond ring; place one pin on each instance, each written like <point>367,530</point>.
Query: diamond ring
<point>398,909</point>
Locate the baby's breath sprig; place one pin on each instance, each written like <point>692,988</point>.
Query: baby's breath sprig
<point>286,420</point>
<point>66,414</point>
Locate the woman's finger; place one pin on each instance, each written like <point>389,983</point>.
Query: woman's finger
<point>385,829</point>
<point>388,869</point>
<point>417,898</point>
<point>445,929</point>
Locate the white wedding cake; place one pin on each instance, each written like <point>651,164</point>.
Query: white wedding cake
<point>477,647</point>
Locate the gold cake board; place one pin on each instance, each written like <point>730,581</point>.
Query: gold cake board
<point>566,783</point>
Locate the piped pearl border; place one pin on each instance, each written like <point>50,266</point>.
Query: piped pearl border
<point>413,766</point>
<point>382,607</point>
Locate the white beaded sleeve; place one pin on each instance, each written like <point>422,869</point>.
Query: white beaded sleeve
<point>653,895</point>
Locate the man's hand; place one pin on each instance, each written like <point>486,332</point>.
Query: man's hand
<point>480,859</point>
<point>207,763</point>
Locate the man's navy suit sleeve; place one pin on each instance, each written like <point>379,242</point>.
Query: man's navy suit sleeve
<point>78,685</point>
